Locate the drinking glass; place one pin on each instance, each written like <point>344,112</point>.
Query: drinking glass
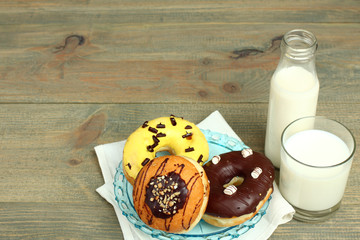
<point>316,158</point>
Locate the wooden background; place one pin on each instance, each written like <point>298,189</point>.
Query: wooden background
<point>76,74</point>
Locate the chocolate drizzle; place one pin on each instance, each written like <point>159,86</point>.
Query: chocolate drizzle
<point>250,192</point>
<point>191,184</point>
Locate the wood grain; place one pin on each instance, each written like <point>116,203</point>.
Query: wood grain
<point>167,62</point>
<point>76,74</point>
<point>277,11</point>
<point>45,180</point>
<point>58,220</point>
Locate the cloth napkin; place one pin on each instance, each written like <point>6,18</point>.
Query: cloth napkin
<point>109,156</point>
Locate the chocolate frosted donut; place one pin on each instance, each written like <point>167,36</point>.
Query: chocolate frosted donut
<point>240,183</point>
<point>171,193</point>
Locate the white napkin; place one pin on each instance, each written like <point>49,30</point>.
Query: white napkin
<point>110,155</point>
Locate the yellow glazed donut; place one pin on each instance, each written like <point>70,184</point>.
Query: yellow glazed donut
<point>173,134</point>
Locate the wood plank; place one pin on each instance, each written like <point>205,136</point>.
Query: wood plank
<point>58,220</point>
<point>98,221</point>
<point>49,147</point>
<point>49,171</point>
<point>76,73</point>
<point>124,12</point>
<point>342,226</point>
<point>207,62</point>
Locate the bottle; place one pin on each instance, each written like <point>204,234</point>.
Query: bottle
<point>294,88</point>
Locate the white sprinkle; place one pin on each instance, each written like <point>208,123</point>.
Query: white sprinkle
<point>247,152</point>
<point>256,173</point>
<point>215,160</point>
<point>230,190</point>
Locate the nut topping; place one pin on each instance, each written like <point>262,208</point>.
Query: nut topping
<point>165,195</point>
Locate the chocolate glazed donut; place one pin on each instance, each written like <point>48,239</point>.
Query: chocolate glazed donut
<point>240,183</point>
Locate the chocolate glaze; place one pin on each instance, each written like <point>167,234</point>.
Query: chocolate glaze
<point>166,194</point>
<point>248,194</point>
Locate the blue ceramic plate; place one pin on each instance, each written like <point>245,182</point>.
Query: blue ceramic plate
<point>218,143</point>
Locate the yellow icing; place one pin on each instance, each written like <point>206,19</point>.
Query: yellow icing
<point>136,146</point>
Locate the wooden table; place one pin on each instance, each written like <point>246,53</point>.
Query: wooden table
<point>76,74</point>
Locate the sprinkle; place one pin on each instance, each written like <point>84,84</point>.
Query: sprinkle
<point>161,135</point>
<point>187,135</point>
<point>246,152</point>
<point>216,159</point>
<point>200,158</point>
<point>129,165</point>
<point>150,148</point>
<point>153,130</point>
<point>172,120</point>
<point>189,149</point>
<point>156,140</point>
<point>145,161</point>
<point>160,125</point>
<point>230,190</point>
<point>154,145</point>
<point>256,173</point>
<point>188,127</point>
<point>145,124</point>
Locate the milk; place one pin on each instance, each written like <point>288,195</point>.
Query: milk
<point>293,94</point>
<point>314,188</point>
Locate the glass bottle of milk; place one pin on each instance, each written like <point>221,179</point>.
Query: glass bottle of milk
<point>294,88</point>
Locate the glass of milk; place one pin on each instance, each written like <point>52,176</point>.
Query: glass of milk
<point>316,157</point>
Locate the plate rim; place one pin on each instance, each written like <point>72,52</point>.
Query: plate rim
<point>213,137</point>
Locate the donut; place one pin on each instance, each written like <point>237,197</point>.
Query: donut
<point>172,134</point>
<point>240,182</point>
<point>171,193</point>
